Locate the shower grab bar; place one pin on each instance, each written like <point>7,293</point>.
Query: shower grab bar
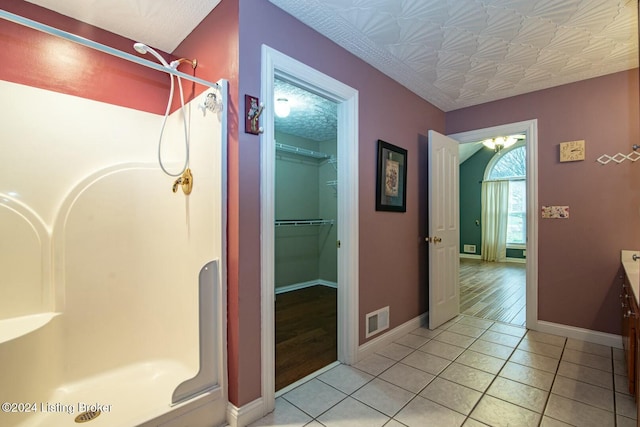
<point>99,46</point>
<point>206,378</point>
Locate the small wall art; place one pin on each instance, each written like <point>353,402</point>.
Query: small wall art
<point>391,191</point>
<point>555,212</point>
<point>253,109</point>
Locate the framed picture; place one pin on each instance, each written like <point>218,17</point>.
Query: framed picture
<point>391,191</point>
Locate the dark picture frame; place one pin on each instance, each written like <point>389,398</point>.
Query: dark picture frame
<point>391,188</point>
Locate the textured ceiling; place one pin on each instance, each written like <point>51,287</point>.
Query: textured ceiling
<point>161,24</point>
<point>458,53</point>
<point>452,53</point>
<point>311,117</point>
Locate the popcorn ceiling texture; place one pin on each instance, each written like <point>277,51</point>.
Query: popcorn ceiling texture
<point>161,24</point>
<point>311,117</point>
<point>453,53</point>
<point>458,53</point>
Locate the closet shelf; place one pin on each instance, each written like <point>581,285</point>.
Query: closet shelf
<point>303,222</point>
<point>302,151</point>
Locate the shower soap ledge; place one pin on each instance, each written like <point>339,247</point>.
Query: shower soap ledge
<point>16,327</point>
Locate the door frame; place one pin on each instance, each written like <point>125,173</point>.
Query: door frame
<point>530,128</point>
<point>276,64</point>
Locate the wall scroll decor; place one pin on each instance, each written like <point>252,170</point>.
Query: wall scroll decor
<point>391,191</point>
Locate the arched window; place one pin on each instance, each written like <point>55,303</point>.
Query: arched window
<point>510,164</point>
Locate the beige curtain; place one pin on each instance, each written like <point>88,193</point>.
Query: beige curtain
<point>495,212</point>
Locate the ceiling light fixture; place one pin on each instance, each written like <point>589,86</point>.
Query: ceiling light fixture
<point>500,142</point>
<point>282,107</point>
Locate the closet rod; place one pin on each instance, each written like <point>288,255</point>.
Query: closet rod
<point>303,222</point>
<point>302,151</point>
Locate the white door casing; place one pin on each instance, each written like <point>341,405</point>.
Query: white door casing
<point>444,234</point>
<point>276,64</point>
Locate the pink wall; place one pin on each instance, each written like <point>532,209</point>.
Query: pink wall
<point>578,258</point>
<point>392,253</point>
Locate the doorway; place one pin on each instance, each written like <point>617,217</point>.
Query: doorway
<point>529,129</point>
<point>277,66</point>
<point>305,233</point>
<point>493,229</point>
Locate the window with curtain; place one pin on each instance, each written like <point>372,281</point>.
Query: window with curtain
<point>511,165</point>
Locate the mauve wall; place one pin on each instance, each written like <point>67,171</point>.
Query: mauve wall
<point>579,257</point>
<point>392,250</point>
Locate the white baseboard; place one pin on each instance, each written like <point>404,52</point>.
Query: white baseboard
<point>246,414</point>
<point>390,336</point>
<point>470,256</point>
<point>603,338</point>
<point>302,285</point>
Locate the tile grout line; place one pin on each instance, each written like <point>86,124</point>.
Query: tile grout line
<point>615,400</point>
<point>475,339</point>
<point>555,375</point>
<point>450,362</point>
<point>484,393</point>
<point>506,361</point>
<point>495,376</point>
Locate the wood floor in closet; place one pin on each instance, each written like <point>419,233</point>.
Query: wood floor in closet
<point>306,332</point>
<point>493,290</point>
<point>306,319</point>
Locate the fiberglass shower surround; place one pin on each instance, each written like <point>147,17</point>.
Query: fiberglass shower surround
<point>94,295</point>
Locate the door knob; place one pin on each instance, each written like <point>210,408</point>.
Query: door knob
<point>437,239</point>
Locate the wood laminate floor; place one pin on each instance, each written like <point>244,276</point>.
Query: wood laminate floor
<point>306,319</point>
<point>306,332</point>
<point>494,291</point>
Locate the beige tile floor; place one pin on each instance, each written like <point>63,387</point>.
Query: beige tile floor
<point>469,372</point>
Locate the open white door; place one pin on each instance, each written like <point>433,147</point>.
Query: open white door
<point>444,234</point>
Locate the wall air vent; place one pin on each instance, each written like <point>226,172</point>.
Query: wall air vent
<point>377,321</point>
<point>469,249</point>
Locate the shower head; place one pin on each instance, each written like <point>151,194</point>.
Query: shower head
<point>143,49</point>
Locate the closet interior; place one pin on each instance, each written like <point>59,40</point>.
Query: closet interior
<point>305,235</point>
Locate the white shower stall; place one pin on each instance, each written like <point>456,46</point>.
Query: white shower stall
<point>113,286</point>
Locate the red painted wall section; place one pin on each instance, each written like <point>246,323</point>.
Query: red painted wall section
<point>36,59</point>
<point>387,111</point>
<point>579,257</point>
<point>215,44</point>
